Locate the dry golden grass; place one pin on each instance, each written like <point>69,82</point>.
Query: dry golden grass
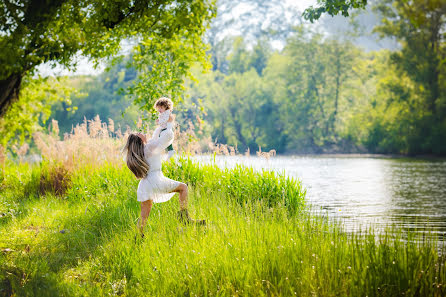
<point>93,143</point>
<point>2,155</point>
<point>21,151</point>
<point>90,143</point>
<point>187,140</point>
<point>266,155</point>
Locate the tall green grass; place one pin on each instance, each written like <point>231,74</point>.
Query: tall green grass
<point>241,184</point>
<point>259,241</point>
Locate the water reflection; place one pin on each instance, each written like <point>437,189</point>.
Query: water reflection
<point>364,191</point>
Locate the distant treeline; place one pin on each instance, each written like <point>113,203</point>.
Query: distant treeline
<point>315,95</point>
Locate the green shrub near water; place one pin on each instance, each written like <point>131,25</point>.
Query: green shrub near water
<point>242,184</point>
<point>82,243</point>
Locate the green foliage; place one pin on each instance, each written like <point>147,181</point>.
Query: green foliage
<point>316,95</point>
<point>33,108</point>
<point>237,108</point>
<point>83,244</point>
<point>242,60</point>
<point>296,100</point>
<point>322,95</point>
<point>164,63</point>
<point>332,7</point>
<point>35,32</point>
<point>318,71</point>
<point>241,184</point>
<point>101,95</point>
<point>420,93</point>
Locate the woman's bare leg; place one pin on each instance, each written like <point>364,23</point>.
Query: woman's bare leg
<point>182,190</point>
<point>183,214</point>
<point>146,206</point>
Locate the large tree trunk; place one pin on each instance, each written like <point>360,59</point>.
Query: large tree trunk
<point>9,91</point>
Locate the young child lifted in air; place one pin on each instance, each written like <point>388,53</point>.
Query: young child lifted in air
<point>164,107</point>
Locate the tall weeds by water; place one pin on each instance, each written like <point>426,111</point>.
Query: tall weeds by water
<point>67,228</point>
<point>82,243</point>
<point>241,184</point>
<point>93,143</point>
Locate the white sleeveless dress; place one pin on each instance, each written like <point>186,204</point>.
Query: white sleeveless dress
<point>155,186</point>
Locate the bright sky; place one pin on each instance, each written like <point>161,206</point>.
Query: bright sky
<point>85,67</point>
<point>301,4</point>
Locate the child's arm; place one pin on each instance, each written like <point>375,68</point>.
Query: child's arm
<point>171,118</point>
<point>157,131</point>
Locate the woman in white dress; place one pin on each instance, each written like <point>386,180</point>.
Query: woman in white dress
<point>144,160</point>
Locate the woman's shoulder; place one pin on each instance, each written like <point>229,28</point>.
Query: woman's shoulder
<point>147,149</point>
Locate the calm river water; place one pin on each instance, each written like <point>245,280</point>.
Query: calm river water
<point>365,191</point>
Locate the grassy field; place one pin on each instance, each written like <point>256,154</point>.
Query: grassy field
<point>72,233</point>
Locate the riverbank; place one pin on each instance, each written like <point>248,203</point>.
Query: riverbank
<point>72,233</point>
<point>367,155</point>
<point>364,192</point>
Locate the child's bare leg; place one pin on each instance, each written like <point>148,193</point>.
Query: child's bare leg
<point>182,190</point>
<point>146,206</point>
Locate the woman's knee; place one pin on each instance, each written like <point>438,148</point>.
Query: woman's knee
<point>183,187</point>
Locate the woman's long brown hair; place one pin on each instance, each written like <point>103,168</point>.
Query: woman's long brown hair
<point>135,156</point>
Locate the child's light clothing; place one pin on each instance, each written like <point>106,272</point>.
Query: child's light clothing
<point>163,117</point>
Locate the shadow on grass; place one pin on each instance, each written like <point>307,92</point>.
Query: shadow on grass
<point>35,271</point>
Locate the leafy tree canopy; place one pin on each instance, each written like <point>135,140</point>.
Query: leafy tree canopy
<point>332,7</point>
<point>38,31</point>
<point>33,109</point>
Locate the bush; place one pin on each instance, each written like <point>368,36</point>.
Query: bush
<point>240,183</point>
<point>55,179</point>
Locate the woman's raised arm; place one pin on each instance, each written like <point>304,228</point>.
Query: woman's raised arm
<point>158,144</point>
<point>156,133</point>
